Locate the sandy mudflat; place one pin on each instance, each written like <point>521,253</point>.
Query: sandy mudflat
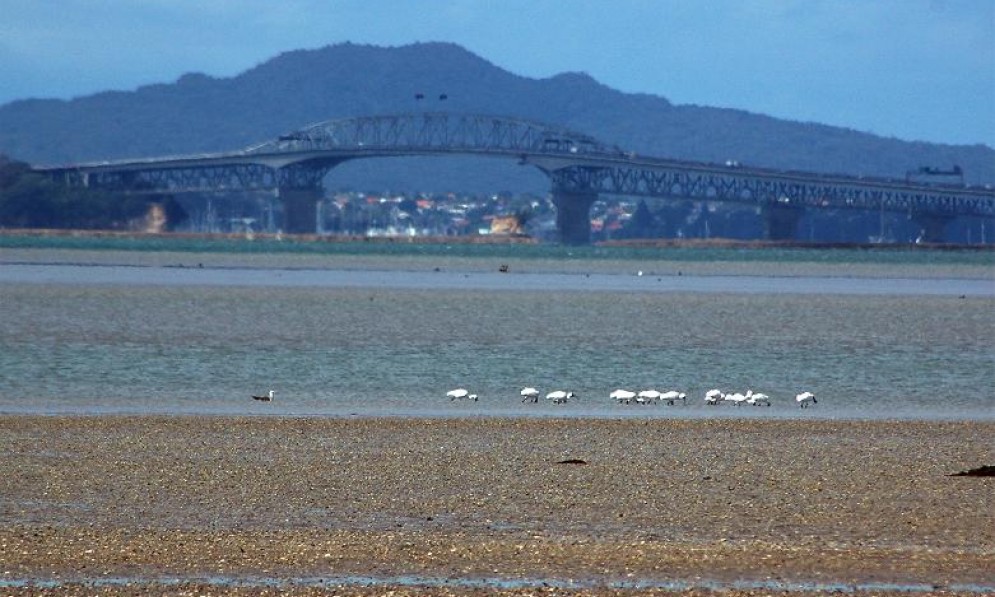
<point>663,265</point>
<point>177,505</point>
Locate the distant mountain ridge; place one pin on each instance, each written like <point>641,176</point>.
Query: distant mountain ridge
<point>198,113</point>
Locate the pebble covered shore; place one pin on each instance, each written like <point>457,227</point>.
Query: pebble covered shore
<point>407,506</point>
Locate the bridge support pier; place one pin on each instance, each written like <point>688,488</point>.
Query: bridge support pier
<point>573,215</point>
<point>300,206</point>
<point>932,227</point>
<point>781,220</point>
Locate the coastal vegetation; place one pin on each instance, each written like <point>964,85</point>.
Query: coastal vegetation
<point>31,200</point>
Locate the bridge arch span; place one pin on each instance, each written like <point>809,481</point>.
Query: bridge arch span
<point>439,131</point>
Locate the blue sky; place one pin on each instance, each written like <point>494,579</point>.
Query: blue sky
<point>911,69</point>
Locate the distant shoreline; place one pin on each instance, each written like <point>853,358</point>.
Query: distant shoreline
<point>484,240</point>
<point>491,254</point>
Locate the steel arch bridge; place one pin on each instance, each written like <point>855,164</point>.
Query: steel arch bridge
<point>300,159</point>
<point>579,166</point>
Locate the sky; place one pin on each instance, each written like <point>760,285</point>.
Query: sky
<point>917,70</point>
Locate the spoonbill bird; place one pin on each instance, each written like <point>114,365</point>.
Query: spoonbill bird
<point>461,394</point>
<point>757,399</point>
<point>804,398</point>
<point>713,397</point>
<point>560,396</point>
<point>622,396</point>
<point>735,398</point>
<point>265,397</point>
<point>646,396</point>
<point>529,394</point>
<point>673,396</point>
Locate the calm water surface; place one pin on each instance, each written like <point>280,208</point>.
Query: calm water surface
<point>112,339</point>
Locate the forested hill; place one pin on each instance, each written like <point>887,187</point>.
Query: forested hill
<point>198,113</point>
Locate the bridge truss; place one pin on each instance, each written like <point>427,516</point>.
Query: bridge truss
<point>682,180</point>
<point>577,164</point>
<point>439,131</point>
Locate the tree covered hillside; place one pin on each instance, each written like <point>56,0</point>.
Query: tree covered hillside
<point>198,113</point>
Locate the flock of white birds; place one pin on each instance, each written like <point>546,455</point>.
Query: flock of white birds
<point>670,397</point>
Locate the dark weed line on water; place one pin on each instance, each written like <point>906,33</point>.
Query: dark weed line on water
<point>495,583</point>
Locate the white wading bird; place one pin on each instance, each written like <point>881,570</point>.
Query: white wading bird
<point>735,398</point>
<point>673,396</point>
<point>461,394</point>
<point>265,397</point>
<point>622,396</point>
<point>757,399</point>
<point>804,398</point>
<point>530,395</point>
<point>560,396</point>
<point>647,396</point>
<point>713,397</point>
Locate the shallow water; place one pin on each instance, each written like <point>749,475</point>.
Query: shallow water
<point>462,280</point>
<point>112,339</point>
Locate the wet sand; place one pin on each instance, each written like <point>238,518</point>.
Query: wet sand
<point>664,265</point>
<point>356,506</point>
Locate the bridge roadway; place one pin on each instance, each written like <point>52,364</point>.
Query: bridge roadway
<point>579,167</point>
